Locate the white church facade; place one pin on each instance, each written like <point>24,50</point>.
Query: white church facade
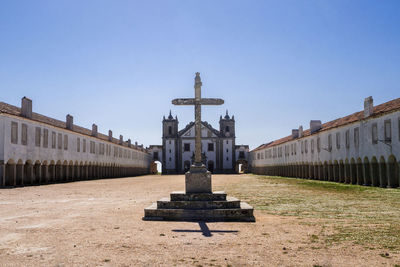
<point>362,148</point>
<point>220,152</point>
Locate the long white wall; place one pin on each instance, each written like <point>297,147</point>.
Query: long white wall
<point>300,150</point>
<point>113,153</point>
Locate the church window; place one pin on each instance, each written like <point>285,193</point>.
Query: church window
<point>24,134</point>
<point>356,137</point>
<point>319,144</point>
<point>227,142</point>
<point>65,142</point>
<point>155,155</point>
<point>312,146</point>
<point>59,141</point>
<point>169,141</point>
<point>329,142</point>
<point>338,140</point>
<point>45,138</point>
<point>241,154</point>
<point>78,144</point>
<point>170,151</point>
<point>227,150</point>
<point>388,131</point>
<point>227,129</point>
<point>210,147</point>
<point>169,130</point>
<point>38,132</point>
<point>306,146</point>
<point>186,147</point>
<point>53,140</point>
<point>84,145</point>
<point>14,132</point>
<point>170,159</point>
<point>227,159</point>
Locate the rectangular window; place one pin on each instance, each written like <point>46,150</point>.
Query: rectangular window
<point>59,141</point>
<point>45,138</point>
<point>53,140</point>
<point>14,132</point>
<point>312,146</point>
<point>302,147</point>
<point>120,152</point>
<point>258,156</point>
<point>78,144</point>
<point>262,155</point>
<point>241,154</point>
<point>38,132</point>
<point>347,139</point>
<point>374,133</point>
<point>338,140</point>
<point>210,147</point>
<point>186,147</point>
<point>92,147</point>
<point>319,144</point>
<point>329,142</point>
<point>84,145</point>
<point>306,146</point>
<point>227,142</point>
<point>388,131</point>
<point>356,137</point>
<point>227,159</point>
<point>24,134</point>
<point>65,142</point>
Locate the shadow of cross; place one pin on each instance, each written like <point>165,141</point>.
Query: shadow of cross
<point>204,230</point>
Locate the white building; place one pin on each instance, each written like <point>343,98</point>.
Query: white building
<point>362,148</point>
<point>36,149</point>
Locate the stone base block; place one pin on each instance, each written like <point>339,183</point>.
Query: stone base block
<point>198,181</point>
<point>230,203</point>
<point>182,196</point>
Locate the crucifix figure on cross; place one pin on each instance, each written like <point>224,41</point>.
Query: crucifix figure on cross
<point>197,101</point>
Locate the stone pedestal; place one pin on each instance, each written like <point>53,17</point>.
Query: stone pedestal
<point>199,203</point>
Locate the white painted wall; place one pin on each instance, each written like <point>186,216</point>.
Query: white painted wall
<point>365,149</point>
<point>129,156</point>
<point>227,154</point>
<point>170,154</point>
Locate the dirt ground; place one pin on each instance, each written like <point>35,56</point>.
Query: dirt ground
<point>99,223</point>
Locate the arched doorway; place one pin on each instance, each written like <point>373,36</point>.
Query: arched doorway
<point>393,172</point>
<point>11,173</point>
<point>375,181</point>
<point>156,167</point>
<point>241,166</point>
<point>210,166</point>
<point>367,172</point>
<point>383,172</point>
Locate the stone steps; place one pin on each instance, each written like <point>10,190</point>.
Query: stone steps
<point>182,196</point>
<point>230,203</point>
<point>242,214</point>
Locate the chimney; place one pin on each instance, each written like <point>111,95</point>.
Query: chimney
<point>121,139</point>
<point>368,106</point>
<point>94,130</point>
<point>70,122</point>
<point>129,143</point>
<point>110,138</point>
<point>315,126</point>
<point>295,133</point>
<point>300,131</point>
<point>136,144</point>
<point>26,107</point>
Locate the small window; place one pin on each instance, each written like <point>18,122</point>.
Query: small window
<point>329,142</point>
<point>38,132</point>
<point>388,131</point>
<point>169,141</point>
<point>24,134</point>
<point>319,144</point>
<point>295,149</point>
<point>302,147</point>
<point>262,155</point>
<point>312,145</point>
<point>210,147</point>
<point>78,144</point>
<point>53,140</point>
<point>347,139</point>
<point>356,137</point>
<point>186,147</point>
<point>65,142</point>
<point>227,159</point>
<point>59,141</point>
<point>169,130</point>
<point>169,158</point>
<point>14,132</point>
<point>84,145</point>
<point>170,151</point>
<point>241,154</point>
<point>227,142</point>
<point>92,147</point>
<point>338,140</point>
<point>227,150</point>
<point>306,146</point>
<point>291,149</point>
<point>258,156</point>
<point>227,129</point>
<point>45,138</point>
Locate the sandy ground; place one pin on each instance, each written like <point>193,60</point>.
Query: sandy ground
<point>99,223</point>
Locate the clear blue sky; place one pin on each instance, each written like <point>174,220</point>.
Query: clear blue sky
<point>277,64</point>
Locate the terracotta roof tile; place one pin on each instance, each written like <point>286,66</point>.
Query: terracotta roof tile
<point>379,110</point>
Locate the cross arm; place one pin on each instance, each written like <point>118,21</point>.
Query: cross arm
<point>203,101</point>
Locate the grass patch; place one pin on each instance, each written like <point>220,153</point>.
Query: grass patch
<point>363,215</point>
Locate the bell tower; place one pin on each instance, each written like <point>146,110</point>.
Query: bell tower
<point>170,144</point>
<point>227,126</point>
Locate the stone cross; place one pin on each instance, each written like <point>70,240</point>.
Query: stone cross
<point>197,101</point>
